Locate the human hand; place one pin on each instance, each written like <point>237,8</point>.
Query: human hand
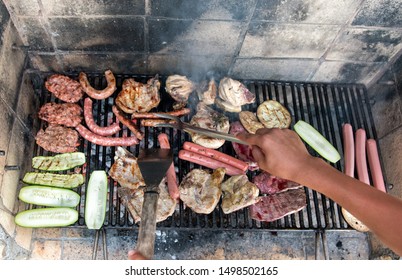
<point>278,151</point>
<point>135,255</point>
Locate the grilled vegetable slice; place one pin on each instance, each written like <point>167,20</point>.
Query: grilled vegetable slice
<point>317,141</point>
<point>250,122</point>
<point>49,196</point>
<point>96,196</point>
<point>68,181</point>
<point>58,162</point>
<point>271,114</point>
<point>47,217</point>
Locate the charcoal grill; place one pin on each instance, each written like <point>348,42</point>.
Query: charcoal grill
<point>325,106</point>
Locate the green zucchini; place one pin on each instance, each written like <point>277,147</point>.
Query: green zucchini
<point>68,181</point>
<point>49,196</point>
<point>316,141</point>
<point>46,217</point>
<point>58,162</point>
<point>95,201</point>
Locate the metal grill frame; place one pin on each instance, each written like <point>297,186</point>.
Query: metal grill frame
<point>326,106</point>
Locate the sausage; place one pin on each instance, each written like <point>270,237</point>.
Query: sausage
<point>348,150</point>
<point>127,122</point>
<point>375,166</point>
<point>98,94</point>
<point>214,154</point>
<point>181,112</point>
<point>361,160</point>
<point>154,122</point>
<point>105,141</point>
<point>89,120</point>
<point>173,186</point>
<point>209,162</point>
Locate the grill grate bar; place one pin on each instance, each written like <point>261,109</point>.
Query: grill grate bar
<point>325,106</point>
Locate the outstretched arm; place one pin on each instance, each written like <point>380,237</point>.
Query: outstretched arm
<point>282,153</point>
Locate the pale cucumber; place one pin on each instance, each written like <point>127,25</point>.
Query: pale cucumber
<point>49,196</point>
<point>317,141</point>
<point>58,162</point>
<point>95,201</point>
<point>68,181</point>
<point>47,217</point>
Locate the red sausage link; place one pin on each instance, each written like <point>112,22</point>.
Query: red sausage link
<point>127,122</point>
<point>349,150</point>
<point>178,113</point>
<point>105,141</point>
<point>98,94</point>
<point>375,166</point>
<point>214,154</point>
<point>89,120</point>
<point>361,160</point>
<point>209,162</point>
<point>173,186</point>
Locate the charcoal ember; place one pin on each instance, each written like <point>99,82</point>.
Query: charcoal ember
<point>64,88</point>
<point>276,206</point>
<point>270,184</point>
<point>67,114</point>
<point>58,139</point>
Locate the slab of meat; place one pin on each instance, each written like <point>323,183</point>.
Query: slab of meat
<point>270,184</point>
<point>237,193</point>
<point>207,91</point>
<point>210,119</point>
<point>125,170</point>
<point>243,152</point>
<point>200,190</point>
<point>179,88</point>
<point>133,200</point>
<point>64,88</point>
<point>58,139</point>
<point>233,94</point>
<point>66,114</point>
<point>276,206</point>
<point>138,97</point>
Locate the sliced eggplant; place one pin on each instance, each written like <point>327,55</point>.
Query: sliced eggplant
<point>68,181</point>
<point>58,162</point>
<point>271,114</point>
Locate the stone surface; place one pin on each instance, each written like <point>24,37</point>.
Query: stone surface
<point>270,40</point>
<point>33,33</point>
<point>23,7</point>
<point>386,13</point>
<point>46,250</point>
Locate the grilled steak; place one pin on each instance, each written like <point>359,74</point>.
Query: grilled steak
<point>270,184</point>
<point>243,152</point>
<point>58,139</point>
<point>66,114</point>
<point>276,206</point>
<point>201,190</point>
<point>64,88</point>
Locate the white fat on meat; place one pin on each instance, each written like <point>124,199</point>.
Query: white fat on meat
<point>233,94</point>
<point>238,192</point>
<point>200,190</point>
<point>208,118</point>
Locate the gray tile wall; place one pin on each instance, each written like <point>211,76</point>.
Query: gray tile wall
<point>299,40</point>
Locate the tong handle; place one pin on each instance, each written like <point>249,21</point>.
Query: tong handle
<point>213,134</point>
<point>146,234</point>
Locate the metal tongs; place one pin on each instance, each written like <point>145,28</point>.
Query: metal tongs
<point>179,124</point>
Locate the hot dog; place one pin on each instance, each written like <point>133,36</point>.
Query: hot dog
<point>89,120</point>
<point>98,94</point>
<point>127,122</point>
<point>154,122</point>
<point>181,112</point>
<point>375,166</point>
<point>349,150</point>
<point>173,186</point>
<point>216,155</point>
<point>105,141</point>
<point>361,160</point>
<point>209,162</point>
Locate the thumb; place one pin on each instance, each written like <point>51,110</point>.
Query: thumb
<point>258,154</point>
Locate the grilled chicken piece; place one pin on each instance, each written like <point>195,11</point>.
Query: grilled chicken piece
<point>210,119</point>
<point>179,88</point>
<point>272,114</point>
<point>238,192</point>
<point>125,170</point>
<point>233,95</point>
<point>138,97</point>
<point>133,200</point>
<point>250,122</point>
<point>201,190</point>
<point>207,92</point>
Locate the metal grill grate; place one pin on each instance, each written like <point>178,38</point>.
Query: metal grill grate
<point>325,106</point>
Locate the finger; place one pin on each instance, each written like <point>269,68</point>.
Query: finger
<point>134,255</point>
<point>258,154</point>
<point>247,137</point>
